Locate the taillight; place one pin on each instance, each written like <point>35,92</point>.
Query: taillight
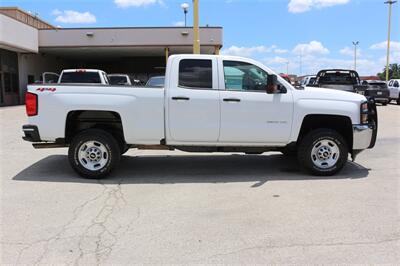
<point>31,104</point>
<point>364,113</point>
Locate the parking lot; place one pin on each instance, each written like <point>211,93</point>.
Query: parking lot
<point>178,208</point>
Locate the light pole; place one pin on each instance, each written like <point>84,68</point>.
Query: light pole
<point>301,62</point>
<point>185,8</point>
<point>196,35</point>
<point>390,3</point>
<point>355,54</point>
<point>287,68</point>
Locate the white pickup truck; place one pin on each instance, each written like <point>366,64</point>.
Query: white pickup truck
<point>209,103</point>
<point>83,76</point>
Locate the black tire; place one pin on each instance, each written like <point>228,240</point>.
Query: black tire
<point>398,100</point>
<point>307,144</point>
<point>100,138</point>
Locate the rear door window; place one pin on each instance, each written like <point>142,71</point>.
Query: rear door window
<point>80,77</point>
<point>195,73</point>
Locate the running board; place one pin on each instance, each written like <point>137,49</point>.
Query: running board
<point>153,147</point>
<point>49,145</point>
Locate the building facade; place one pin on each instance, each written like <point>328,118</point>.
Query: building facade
<point>29,46</point>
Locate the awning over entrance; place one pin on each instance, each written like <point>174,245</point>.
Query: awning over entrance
<point>115,52</point>
<point>140,52</point>
<point>123,42</point>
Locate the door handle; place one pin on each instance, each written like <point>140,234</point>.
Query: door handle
<point>180,98</point>
<point>231,100</point>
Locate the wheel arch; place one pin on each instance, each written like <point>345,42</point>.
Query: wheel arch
<point>79,120</point>
<point>340,123</point>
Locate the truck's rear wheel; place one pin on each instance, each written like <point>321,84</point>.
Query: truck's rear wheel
<point>323,152</point>
<point>94,153</point>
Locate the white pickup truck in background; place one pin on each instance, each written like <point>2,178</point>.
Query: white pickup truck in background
<point>83,76</point>
<point>209,104</point>
<point>394,90</point>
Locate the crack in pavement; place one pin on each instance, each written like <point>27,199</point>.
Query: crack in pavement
<point>76,213</point>
<point>304,246</point>
<point>109,205</point>
<point>97,238</point>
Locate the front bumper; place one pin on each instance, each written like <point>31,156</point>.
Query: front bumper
<point>362,136</point>
<point>31,133</point>
<point>377,94</point>
<point>381,100</point>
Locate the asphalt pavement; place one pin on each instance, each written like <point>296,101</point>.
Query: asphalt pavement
<point>162,207</point>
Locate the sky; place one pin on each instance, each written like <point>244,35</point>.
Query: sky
<point>300,35</point>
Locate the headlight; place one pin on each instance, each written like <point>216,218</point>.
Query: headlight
<point>364,113</point>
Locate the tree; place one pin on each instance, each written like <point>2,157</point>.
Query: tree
<point>394,72</point>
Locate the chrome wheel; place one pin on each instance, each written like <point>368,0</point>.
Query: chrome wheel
<point>93,155</point>
<point>325,153</point>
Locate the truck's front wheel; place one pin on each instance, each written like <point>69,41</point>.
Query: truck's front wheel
<point>93,153</point>
<point>323,152</point>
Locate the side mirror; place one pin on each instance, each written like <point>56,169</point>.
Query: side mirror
<point>272,80</point>
<point>273,86</point>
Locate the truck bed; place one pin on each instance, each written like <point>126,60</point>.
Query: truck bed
<point>56,101</point>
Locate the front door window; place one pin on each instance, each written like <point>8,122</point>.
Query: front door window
<point>242,76</point>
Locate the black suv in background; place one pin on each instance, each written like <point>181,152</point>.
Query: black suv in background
<point>378,90</point>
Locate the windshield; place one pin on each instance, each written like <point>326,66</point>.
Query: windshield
<point>118,80</point>
<point>80,77</point>
<point>155,82</point>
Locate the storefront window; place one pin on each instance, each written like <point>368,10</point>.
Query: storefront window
<point>1,88</point>
<point>15,85</point>
<point>7,82</point>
